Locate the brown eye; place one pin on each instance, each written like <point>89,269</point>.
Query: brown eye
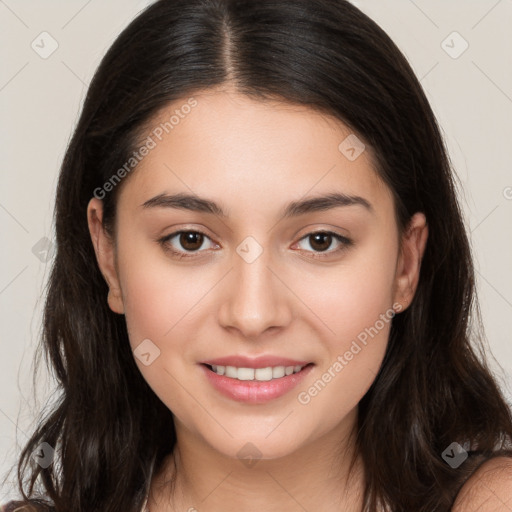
<point>320,241</point>
<point>191,240</point>
<point>184,244</point>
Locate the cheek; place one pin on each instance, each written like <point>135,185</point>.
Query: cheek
<point>351,297</point>
<point>355,307</point>
<point>160,303</point>
<point>157,296</point>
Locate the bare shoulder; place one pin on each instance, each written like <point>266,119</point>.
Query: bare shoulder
<point>16,506</point>
<point>489,489</point>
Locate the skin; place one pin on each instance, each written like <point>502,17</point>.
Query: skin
<point>489,489</point>
<point>253,158</point>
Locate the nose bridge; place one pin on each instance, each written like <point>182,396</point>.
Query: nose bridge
<point>254,299</point>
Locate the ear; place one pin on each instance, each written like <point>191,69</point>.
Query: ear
<point>104,248</point>
<point>413,243</point>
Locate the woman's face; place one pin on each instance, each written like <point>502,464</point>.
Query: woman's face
<point>256,282</point>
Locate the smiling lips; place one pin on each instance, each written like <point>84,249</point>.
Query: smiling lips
<point>262,368</point>
<point>259,374</point>
<point>255,380</point>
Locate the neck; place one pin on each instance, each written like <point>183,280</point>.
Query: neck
<point>315,477</point>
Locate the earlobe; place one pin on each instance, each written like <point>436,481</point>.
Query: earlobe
<point>413,244</point>
<point>105,254</point>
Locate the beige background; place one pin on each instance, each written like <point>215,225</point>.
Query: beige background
<point>40,100</point>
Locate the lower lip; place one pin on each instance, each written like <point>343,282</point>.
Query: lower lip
<point>254,391</point>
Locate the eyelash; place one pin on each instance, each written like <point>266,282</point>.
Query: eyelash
<point>345,243</point>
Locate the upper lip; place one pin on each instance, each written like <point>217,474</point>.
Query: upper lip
<point>254,362</point>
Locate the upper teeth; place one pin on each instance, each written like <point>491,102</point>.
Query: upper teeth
<point>268,373</point>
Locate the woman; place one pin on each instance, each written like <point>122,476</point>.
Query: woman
<point>262,289</point>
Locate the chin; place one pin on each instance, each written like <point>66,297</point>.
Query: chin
<point>250,449</point>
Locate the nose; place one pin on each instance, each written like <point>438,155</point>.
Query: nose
<point>255,299</point>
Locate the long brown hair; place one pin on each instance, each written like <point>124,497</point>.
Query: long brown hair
<point>109,429</point>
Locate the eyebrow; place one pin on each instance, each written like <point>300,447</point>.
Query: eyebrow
<point>195,203</point>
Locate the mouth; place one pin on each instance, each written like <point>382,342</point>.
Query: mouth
<point>255,385</point>
<point>266,374</point>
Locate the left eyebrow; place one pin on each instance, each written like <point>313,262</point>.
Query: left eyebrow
<point>195,203</point>
<point>324,202</point>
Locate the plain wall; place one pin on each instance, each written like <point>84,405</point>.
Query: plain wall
<point>40,99</point>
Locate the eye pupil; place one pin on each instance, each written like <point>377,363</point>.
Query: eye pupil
<point>319,237</point>
<point>190,237</point>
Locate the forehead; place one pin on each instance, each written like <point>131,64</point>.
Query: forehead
<point>256,152</point>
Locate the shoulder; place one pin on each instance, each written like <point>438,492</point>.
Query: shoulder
<point>17,506</point>
<point>489,489</point>
<point>9,507</point>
